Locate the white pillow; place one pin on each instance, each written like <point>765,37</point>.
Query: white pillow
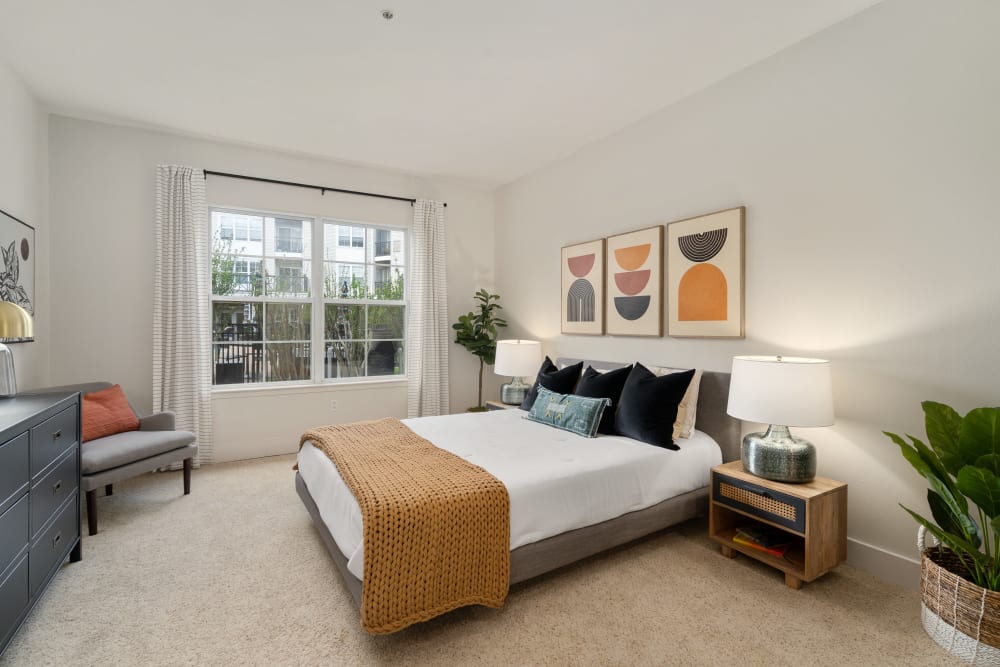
<point>688,408</point>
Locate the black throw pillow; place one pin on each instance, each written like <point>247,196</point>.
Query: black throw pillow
<point>604,385</point>
<point>549,376</point>
<point>648,406</point>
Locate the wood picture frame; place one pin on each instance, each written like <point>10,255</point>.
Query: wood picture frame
<point>634,285</point>
<point>705,275</point>
<point>17,268</point>
<point>582,295</point>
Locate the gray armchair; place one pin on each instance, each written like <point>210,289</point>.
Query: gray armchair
<point>117,457</point>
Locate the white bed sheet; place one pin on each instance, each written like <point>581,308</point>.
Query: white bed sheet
<point>557,480</point>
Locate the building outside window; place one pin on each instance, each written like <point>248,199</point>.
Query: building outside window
<point>263,300</point>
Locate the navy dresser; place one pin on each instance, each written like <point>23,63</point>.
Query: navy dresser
<point>39,499</point>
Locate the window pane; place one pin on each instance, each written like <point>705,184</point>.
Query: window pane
<point>385,358</point>
<point>344,359</point>
<point>338,244</point>
<point>344,281</point>
<point>344,322</point>
<point>385,322</point>
<point>288,277</point>
<point>237,362</point>
<point>289,235</point>
<point>236,355</point>
<point>287,362</point>
<point>287,322</point>
<point>388,283</point>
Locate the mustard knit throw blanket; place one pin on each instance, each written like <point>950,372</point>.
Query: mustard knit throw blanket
<point>436,527</point>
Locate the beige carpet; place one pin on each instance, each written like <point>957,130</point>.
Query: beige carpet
<point>236,574</point>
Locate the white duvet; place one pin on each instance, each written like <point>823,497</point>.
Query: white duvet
<point>557,480</point>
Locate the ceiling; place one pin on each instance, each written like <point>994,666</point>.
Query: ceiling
<point>482,91</point>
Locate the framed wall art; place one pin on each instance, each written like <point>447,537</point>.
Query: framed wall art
<point>635,283</point>
<point>705,275</point>
<point>17,271</point>
<point>583,288</point>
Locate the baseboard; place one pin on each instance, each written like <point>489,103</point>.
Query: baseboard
<point>885,565</point>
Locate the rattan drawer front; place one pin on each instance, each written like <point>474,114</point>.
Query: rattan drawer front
<point>774,506</point>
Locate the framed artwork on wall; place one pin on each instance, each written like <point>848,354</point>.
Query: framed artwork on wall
<point>705,275</point>
<point>583,288</point>
<point>17,270</point>
<point>635,283</point>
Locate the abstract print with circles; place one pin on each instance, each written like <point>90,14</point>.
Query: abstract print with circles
<point>705,275</point>
<point>583,288</point>
<point>635,278</point>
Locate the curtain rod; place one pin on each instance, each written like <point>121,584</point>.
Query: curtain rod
<point>322,188</point>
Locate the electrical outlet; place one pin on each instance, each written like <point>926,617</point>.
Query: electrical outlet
<point>333,406</point>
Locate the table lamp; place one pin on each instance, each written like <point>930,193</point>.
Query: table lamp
<point>517,358</point>
<point>782,392</point>
<point>16,326</point>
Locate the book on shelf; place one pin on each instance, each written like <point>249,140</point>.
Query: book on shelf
<point>768,539</point>
<point>765,536</point>
<point>777,550</point>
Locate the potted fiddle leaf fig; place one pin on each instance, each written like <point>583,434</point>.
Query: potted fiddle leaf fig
<point>478,331</point>
<point>961,463</point>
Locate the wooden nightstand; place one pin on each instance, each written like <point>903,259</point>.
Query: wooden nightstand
<point>497,405</point>
<point>814,515</point>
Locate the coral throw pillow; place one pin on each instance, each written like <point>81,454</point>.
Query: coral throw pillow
<point>106,412</point>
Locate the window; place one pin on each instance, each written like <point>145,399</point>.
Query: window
<point>239,227</point>
<point>289,236</point>
<point>350,237</point>
<point>263,301</point>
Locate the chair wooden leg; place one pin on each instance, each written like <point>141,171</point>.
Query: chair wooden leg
<point>108,490</point>
<point>187,475</point>
<point>92,511</point>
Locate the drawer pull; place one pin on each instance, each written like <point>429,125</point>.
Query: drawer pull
<point>56,540</point>
<point>57,435</point>
<point>56,487</point>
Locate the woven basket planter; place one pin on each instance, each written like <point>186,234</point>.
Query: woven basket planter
<point>963,618</point>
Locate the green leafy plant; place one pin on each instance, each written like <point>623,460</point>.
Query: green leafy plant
<point>962,469</point>
<point>478,331</point>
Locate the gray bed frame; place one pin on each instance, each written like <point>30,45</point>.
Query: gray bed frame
<point>552,553</point>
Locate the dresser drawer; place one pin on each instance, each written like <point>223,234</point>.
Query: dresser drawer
<point>13,532</point>
<point>13,471</point>
<point>53,544</point>
<point>778,508</point>
<point>52,490</point>
<point>51,438</point>
<point>13,599</point>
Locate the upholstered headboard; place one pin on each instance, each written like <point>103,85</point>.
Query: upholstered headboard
<point>713,397</point>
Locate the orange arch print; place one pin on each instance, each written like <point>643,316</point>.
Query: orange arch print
<point>701,295</point>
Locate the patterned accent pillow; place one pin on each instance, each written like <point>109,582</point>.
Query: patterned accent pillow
<point>578,414</point>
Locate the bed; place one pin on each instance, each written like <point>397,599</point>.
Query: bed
<point>556,520</point>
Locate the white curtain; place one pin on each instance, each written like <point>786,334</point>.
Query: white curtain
<point>182,349</point>
<point>427,333</point>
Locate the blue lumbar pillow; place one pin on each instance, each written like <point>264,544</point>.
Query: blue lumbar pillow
<point>578,414</point>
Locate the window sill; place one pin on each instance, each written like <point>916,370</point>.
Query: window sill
<point>367,384</point>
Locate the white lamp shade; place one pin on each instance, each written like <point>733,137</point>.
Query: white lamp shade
<point>518,358</point>
<point>785,391</point>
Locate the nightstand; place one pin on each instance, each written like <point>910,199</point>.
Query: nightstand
<point>813,514</point>
<point>497,405</point>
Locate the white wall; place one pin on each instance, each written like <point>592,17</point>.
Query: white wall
<point>102,202</point>
<point>23,174</point>
<point>868,159</point>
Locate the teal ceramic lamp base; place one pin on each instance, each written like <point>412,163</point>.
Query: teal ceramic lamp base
<point>779,456</point>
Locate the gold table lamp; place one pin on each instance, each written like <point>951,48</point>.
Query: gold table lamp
<point>16,326</point>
